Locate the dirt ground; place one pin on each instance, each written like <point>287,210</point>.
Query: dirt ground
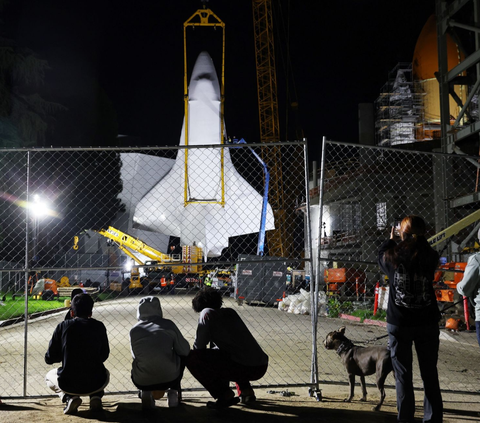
<point>270,407</point>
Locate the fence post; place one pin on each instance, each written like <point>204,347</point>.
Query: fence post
<point>27,267</point>
<point>316,280</point>
<point>309,255</point>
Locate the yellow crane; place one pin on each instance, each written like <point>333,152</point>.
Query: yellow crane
<point>454,229</point>
<point>279,241</point>
<point>189,262</point>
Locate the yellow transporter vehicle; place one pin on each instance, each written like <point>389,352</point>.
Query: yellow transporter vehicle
<point>162,268</point>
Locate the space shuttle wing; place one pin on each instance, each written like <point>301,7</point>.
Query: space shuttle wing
<point>209,225</point>
<point>161,209</point>
<point>241,214</point>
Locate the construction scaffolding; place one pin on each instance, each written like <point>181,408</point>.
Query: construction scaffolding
<point>399,109</point>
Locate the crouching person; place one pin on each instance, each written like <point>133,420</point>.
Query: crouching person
<point>81,345</point>
<point>234,354</point>
<point>159,351</point>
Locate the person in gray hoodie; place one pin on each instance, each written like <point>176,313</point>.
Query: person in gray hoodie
<point>469,286</point>
<point>159,352</point>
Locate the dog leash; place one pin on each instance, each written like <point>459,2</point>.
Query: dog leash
<point>375,339</point>
<point>384,336</point>
<point>450,306</point>
<point>442,312</point>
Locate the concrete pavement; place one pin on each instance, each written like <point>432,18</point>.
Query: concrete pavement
<point>269,408</point>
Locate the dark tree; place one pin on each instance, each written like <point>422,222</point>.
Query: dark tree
<point>24,114</point>
<point>82,186</point>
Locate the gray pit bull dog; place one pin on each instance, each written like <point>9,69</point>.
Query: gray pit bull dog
<point>361,361</point>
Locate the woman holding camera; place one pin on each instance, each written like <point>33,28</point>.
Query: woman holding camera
<point>412,316</point>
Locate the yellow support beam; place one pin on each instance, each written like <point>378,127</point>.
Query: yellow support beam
<point>204,18</point>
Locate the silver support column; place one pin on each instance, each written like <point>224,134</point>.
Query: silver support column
<point>27,272</point>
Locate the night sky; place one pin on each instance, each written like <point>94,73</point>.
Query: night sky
<point>117,61</point>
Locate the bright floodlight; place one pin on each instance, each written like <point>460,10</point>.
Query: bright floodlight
<point>39,208</point>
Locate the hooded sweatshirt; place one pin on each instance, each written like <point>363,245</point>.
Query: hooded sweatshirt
<point>156,345</point>
<point>469,286</point>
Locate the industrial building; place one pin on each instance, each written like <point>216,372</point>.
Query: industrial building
<point>427,105</point>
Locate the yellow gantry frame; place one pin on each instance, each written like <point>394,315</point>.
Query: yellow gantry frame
<point>202,18</point>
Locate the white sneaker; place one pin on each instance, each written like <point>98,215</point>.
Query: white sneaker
<point>72,405</point>
<point>148,402</point>
<point>172,398</point>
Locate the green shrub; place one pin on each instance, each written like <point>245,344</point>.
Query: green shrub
<point>368,314</point>
<point>335,307</point>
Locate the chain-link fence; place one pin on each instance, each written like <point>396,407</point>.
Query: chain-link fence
<point>363,191</point>
<point>162,221</point>
<point>123,223</point>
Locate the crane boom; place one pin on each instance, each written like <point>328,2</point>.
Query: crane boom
<point>131,245</point>
<point>277,239</point>
<point>454,229</point>
<point>187,262</point>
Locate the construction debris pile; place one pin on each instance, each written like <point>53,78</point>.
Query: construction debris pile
<point>301,303</point>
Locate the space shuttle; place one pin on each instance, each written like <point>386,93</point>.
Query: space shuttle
<point>203,199</point>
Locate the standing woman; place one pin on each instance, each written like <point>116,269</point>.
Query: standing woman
<point>412,317</point>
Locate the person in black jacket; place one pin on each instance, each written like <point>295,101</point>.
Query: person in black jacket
<point>81,345</point>
<point>74,292</point>
<point>234,354</point>
<point>412,317</point>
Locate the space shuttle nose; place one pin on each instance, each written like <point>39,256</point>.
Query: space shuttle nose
<point>204,80</point>
<point>203,66</point>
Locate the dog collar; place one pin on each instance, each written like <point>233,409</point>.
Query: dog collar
<point>345,346</point>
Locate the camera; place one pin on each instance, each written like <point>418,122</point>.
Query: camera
<point>396,227</point>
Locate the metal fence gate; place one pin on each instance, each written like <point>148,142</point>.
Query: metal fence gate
<point>55,203</point>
